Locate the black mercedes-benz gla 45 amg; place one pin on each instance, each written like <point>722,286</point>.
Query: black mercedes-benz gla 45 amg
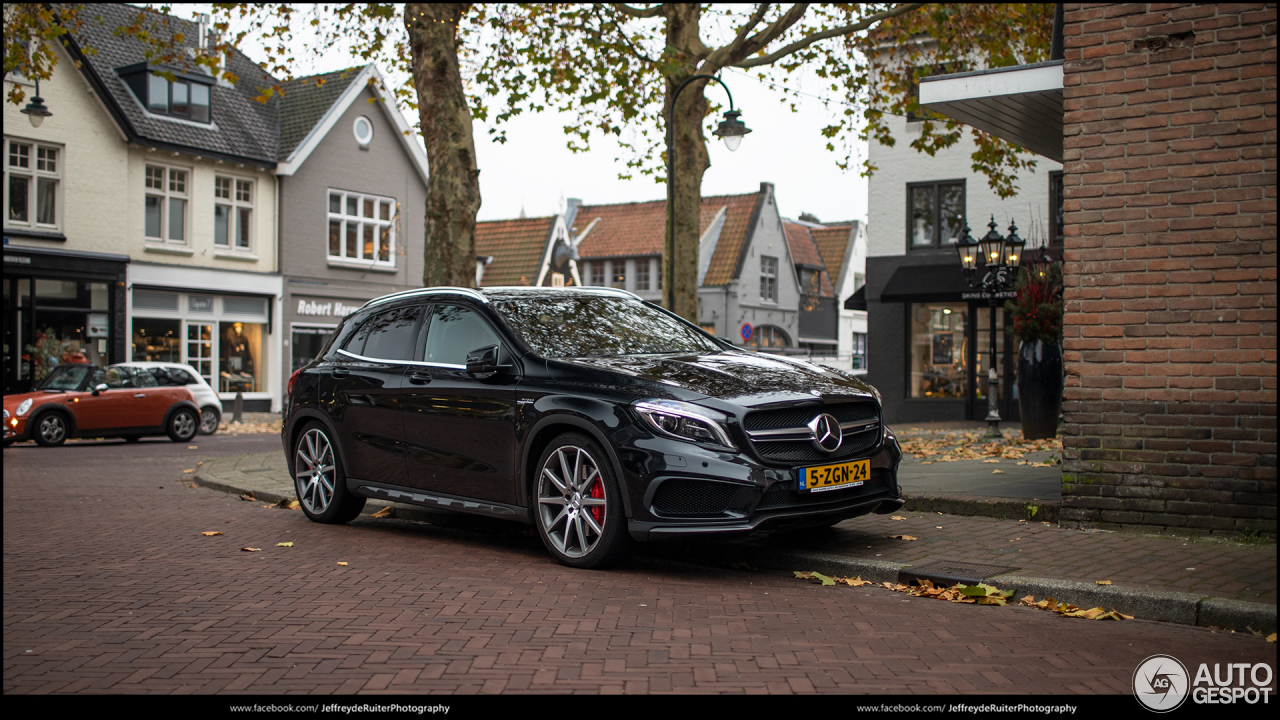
<point>596,416</point>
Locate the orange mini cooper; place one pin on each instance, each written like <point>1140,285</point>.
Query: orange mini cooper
<point>78,400</point>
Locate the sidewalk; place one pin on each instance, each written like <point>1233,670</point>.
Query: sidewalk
<point>1194,581</point>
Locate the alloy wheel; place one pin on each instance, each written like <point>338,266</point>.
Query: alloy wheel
<point>314,471</point>
<point>184,425</point>
<point>53,429</point>
<point>571,501</point>
<point>208,421</point>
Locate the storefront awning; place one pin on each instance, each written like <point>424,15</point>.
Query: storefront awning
<point>1020,104</point>
<point>925,282</point>
<point>858,300</point>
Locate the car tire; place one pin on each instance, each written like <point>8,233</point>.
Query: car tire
<point>319,480</point>
<point>184,423</point>
<point>51,429</point>
<point>578,504</point>
<point>209,419</point>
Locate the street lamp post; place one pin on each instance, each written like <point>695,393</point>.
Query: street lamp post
<point>36,111</point>
<point>731,130</point>
<point>1001,257</point>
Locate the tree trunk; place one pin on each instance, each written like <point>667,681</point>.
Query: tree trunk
<point>680,261</point>
<point>453,188</point>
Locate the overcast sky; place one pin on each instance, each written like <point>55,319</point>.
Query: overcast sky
<point>534,170</point>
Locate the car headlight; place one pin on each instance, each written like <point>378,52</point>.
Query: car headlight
<point>686,421</point>
<point>24,407</point>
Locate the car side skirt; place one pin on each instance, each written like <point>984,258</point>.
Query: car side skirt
<point>437,501</point>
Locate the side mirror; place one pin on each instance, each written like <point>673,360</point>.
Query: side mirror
<point>484,360</point>
<point>99,388</point>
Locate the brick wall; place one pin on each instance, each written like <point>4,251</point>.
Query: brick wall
<point>1170,202</point>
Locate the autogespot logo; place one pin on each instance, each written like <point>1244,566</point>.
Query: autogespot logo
<point>1160,683</point>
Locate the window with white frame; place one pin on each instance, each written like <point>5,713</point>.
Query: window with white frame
<point>32,184</point>
<point>166,204</point>
<point>232,212</point>
<point>362,227</point>
<point>597,273</point>
<point>642,274</point>
<point>768,278</point>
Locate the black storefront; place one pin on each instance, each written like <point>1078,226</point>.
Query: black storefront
<point>60,306</point>
<point>930,343</point>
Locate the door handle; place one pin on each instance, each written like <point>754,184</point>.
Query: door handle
<point>139,395</point>
<point>420,378</point>
<point>340,372</point>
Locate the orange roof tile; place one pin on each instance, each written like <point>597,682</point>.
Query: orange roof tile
<point>517,247</point>
<point>805,252</point>
<point>833,242</point>
<point>637,229</point>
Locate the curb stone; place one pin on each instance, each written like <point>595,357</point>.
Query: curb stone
<point>1010,508</point>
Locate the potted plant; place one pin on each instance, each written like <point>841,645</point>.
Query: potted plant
<point>1036,320</point>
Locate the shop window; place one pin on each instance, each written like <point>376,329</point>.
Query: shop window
<point>241,363</point>
<point>935,214</point>
<point>232,212</point>
<point>306,342</point>
<point>938,366</point>
<point>362,228</point>
<point>768,336</point>
<point>166,204</point>
<point>32,183</point>
<point>859,351</point>
<point>156,340</point>
<point>768,279</point>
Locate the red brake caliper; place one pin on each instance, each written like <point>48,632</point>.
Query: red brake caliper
<point>597,511</point>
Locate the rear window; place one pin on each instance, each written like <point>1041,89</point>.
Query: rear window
<point>388,335</point>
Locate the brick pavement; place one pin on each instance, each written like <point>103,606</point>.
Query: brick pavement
<point>110,587</point>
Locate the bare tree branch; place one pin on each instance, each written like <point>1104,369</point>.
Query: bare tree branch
<point>750,24</point>
<point>834,32</point>
<point>655,11</point>
<point>735,51</point>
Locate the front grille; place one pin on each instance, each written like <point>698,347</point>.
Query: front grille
<point>693,497</point>
<point>783,494</point>
<point>803,451</point>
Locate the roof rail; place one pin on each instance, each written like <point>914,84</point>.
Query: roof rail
<point>572,288</point>
<point>428,291</point>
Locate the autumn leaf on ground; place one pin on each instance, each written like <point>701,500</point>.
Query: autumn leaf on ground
<point>902,537</point>
<point>985,594</point>
<point>897,517</point>
<point>342,563</point>
<point>212,533</point>
<point>1104,582</point>
<point>385,512</point>
<point>990,461</point>
<point>192,447</point>
<point>188,472</point>
<point>248,496</point>
<point>997,472</point>
<point>854,581</point>
<point>1098,614</point>
<point>249,549</point>
<point>284,544</point>
<point>816,576</point>
<point>287,504</point>
<point>1271,638</point>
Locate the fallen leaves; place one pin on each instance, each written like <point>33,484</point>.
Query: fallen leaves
<point>1067,610</point>
<point>284,544</point>
<point>211,533</point>
<point>385,512</point>
<point>897,517</point>
<point>965,445</point>
<point>286,504</point>
<point>1104,582</point>
<point>902,537</point>
<point>248,496</point>
<point>980,594</point>
<point>189,471</point>
<point>249,549</point>
<point>342,563</point>
<point>997,472</point>
<point>1271,638</point>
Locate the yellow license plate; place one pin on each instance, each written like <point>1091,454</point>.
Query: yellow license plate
<point>834,477</point>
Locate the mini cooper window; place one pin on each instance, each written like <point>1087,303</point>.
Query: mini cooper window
<point>454,332</point>
<point>65,377</point>
<point>387,336</point>
<point>593,326</point>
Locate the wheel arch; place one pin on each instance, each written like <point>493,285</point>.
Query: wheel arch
<point>168,415</point>
<point>547,430</point>
<point>51,407</point>
<point>300,420</point>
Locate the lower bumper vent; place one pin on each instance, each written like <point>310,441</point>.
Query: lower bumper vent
<point>693,497</point>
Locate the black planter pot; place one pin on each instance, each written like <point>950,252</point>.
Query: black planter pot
<point>1039,388</point>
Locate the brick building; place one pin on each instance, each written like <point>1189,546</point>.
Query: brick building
<point>1169,145</point>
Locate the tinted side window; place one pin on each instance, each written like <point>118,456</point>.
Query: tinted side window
<point>387,336</point>
<point>454,332</point>
<point>142,379</point>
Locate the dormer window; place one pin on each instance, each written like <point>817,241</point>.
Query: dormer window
<point>186,97</point>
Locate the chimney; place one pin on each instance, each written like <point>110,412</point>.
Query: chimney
<point>203,22</point>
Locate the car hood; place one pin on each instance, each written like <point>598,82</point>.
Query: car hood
<point>742,378</point>
<point>38,397</point>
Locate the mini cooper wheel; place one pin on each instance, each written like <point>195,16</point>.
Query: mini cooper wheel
<point>578,505</point>
<point>209,419</point>
<point>183,425</point>
<point>319,480</point>
<point>51,429</point>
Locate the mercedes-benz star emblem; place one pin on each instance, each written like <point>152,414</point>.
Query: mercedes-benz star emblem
<point>826,432</point>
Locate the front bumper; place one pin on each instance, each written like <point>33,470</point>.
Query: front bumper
<point>715,494</point>
<point>15,429</point>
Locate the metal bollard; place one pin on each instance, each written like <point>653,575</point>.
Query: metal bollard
<point>239,405</point>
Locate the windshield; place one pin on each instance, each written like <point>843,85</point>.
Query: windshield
<point>65,377</point>
<point>593,326</point>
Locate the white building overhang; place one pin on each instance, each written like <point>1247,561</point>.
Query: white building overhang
<point>1020,104</point>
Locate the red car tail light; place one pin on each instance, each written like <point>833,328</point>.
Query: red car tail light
<point>292,379</point>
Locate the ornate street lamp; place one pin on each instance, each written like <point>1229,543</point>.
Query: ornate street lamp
<point>36,111</point>
<point>731,130</point>
<point>1001,257</point>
